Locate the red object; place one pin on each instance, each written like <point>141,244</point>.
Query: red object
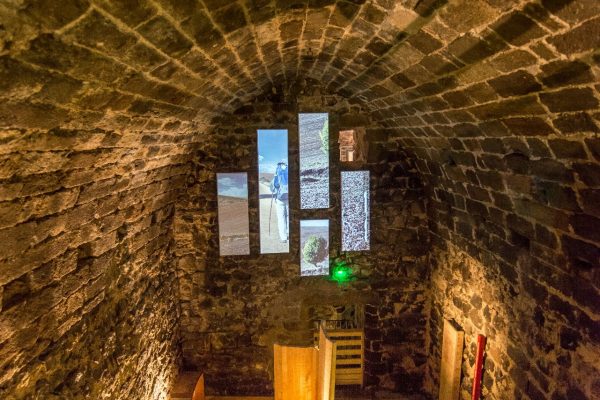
<point>478,367</point>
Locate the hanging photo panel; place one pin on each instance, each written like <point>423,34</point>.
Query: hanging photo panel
<point>314,247</point>
<point>232,200</point>
<point>273,191</point>
<point>314,160</point>
<point>355,211</point>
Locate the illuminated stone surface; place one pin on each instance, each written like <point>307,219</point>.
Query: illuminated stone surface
<point>481,118</point>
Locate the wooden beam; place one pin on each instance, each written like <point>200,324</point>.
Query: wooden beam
<point>452,349</point>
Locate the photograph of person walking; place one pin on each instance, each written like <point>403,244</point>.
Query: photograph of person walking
<point>279,188</point>
<point>273,190</point>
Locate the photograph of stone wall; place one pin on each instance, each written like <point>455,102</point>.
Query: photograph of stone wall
<point>232,192</point>
<point>356,211</point>
<point>314,160</point>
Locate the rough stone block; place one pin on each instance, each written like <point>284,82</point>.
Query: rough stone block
<point>584,254</point>
<point>590,201</point>
<point>583,38</point>
<point>96,31</point>
<point>541,15</point>
<point>466,15</point>
<point>564,73</point>
<point>518,83</point>
<point>572,11</point>
<point>575,123</point>
<point>132,12</point>
<point>517,29</point>
<point>551,170</point>
<point>424,42</point>
<point>481,93</point>
<point>538,148</point>
<point>34,116</point>
<point>521,106</point>
<point>471,49</point>
<point>55,15</point>
<point>545,236</point>
<point>59,90</point>
<point>556,195</point>
<point>18,80</point>
<point>180,9</point>
<point>512,60</point>
<point>205,33</point>
<point>528,126</point>
<point>593,144</point>
<point>161,33</point>
<point>48,51</point>
<point>230,18</point>
<point>378,47</point>
<point>588,173</point>
<point>571,99</point>
<point>567,149</point>
<point>586,226</point>
<point>457,99</point>
<point>343,13</point>
<point>545,215</point>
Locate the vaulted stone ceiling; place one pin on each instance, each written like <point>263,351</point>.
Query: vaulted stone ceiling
<point>194,59</point>
<point>105,103</point>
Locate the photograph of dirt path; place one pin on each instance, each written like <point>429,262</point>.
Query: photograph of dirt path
<point>273,190</point>
<point>232,200</point>
<point>355,211</point>
<point>314,247</point>
<point>314,160</point>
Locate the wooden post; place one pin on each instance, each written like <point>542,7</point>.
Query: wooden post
<point>481,340</point>
<point>452,350</point>
<point>326,368</point>
<point>199,389</point>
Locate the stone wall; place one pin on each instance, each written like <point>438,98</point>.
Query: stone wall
<point>102,103</point>
<point>539,344</point>
<point>88,181</point>
<point>88,294</point>
<point>235,308</point>
<point>498,107</point>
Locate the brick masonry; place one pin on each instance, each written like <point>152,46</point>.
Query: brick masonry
<point>111,122</point>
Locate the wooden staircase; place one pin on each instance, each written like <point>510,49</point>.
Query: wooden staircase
<point>301,373</point>
<point>190,386</point>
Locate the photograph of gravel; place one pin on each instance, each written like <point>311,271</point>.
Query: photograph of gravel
<point>314,160</point>
<point>314,247</point>
<point>273,191</point>
<point>355,211</point>
<point>232,205</point>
